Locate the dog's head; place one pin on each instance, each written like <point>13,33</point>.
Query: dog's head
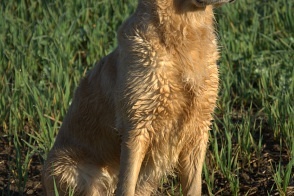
<point>204,3</point>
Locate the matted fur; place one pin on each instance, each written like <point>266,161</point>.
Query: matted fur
<point>145,109</point>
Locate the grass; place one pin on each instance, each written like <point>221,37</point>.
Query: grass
<point>47,46</point>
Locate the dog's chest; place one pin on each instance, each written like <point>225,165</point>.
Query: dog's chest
<point>159,85</point>
<point>156,90</point>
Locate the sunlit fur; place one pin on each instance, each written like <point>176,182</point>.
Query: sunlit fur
<point>144,111</point>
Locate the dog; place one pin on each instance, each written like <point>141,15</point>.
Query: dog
<point>145,110</point>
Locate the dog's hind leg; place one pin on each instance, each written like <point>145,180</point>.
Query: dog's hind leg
<point>66,172</point>
<point>133,149</point>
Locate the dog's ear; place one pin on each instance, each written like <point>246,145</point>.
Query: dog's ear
<point>204,3</point>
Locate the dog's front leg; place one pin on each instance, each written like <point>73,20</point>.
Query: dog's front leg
<point>191,162</point>
<point>133,149</point>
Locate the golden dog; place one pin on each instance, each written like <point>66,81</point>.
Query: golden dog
<point>145,109</point>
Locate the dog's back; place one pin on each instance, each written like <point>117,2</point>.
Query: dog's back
<point>144,110</point>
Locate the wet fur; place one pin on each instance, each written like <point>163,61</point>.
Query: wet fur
<point>144,110</point>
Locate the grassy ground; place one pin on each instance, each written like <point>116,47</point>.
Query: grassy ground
<point>47,46</point>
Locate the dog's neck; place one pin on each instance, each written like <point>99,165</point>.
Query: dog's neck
<point>179,23</point>
<point>184,32</point>
<point>173,31</point>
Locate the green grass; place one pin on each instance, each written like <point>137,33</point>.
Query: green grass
<point>47,46</point>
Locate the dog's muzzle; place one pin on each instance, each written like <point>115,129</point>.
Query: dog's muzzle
<point>204,3</point>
